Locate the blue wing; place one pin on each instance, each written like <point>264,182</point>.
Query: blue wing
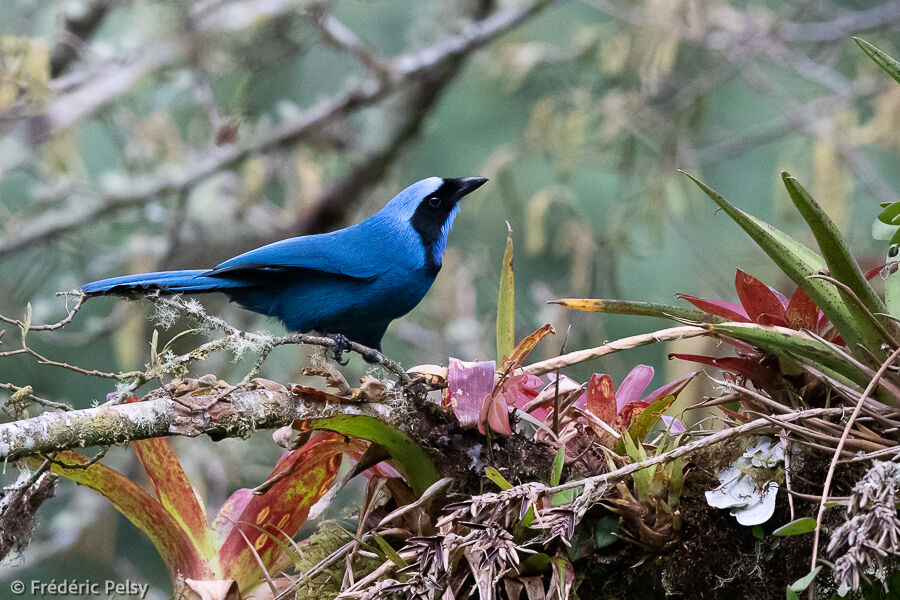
<point>346,253</point>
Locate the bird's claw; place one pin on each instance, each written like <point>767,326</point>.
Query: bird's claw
<point>341,344</point>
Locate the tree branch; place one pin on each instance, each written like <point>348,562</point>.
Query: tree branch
<point>234,414</point>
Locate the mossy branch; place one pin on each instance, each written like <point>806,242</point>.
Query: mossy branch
<point>236,412</point>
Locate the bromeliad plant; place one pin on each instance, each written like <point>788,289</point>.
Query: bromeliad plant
<point>834,328</point>
<point>249,542</point>
<point>833,342</point>
<point>244,550</point>
<point>507,541</point>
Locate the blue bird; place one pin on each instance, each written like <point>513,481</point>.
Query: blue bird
<point>348,284</point>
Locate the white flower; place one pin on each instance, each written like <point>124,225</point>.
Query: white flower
<point>750,502</point>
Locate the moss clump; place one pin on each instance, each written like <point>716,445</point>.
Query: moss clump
<point>327,584</point>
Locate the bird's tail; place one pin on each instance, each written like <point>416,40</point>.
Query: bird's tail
<point>167,282</point>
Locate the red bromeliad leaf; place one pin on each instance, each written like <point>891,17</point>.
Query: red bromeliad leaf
<point>283,508</point>
<point>174,545</point>
<point>601,400</point>
<point>175,491</point>
<point>759,374</point>
<point>629,414</point>
<point>633,386</point>
<point>468,385</point>
<point>802,312</point>
<point>873,272</point>
<point>758,299</point>
<point>722,308</point>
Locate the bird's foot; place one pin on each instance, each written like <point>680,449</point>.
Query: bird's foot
<point>341,345</point>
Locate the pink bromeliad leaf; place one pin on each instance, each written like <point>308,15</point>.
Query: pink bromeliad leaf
<point>673,425</point>
<point>481,396</point>
<point>673,388</point>
<point>494,414</point>
<point>468,385</point>
<point>633,386</point>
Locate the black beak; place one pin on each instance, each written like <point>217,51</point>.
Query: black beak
<point>459,187</point>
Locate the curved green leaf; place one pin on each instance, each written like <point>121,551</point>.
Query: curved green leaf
<point>891,214</point>
<point>499,480</point>
<point>416,465</point>
<point>557,468</point>
<point>803,583</point>
<point>645,421</point>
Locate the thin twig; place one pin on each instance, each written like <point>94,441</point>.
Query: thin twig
<point>573,358</point>
<point>715,438</point>
<point>75,466</point>
<point>51,326</point>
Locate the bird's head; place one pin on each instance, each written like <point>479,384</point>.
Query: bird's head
<point>429,206</point>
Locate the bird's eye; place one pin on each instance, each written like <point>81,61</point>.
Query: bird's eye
<point>434,201</point>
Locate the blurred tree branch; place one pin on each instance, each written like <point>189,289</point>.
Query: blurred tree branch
<point>843,25</point>
<point>77,28</point>
<point>406,72</point>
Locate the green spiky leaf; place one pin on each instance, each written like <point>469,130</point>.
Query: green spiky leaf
<point>841,264</point>
<point>882,59</point>
<point>643,309</point>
